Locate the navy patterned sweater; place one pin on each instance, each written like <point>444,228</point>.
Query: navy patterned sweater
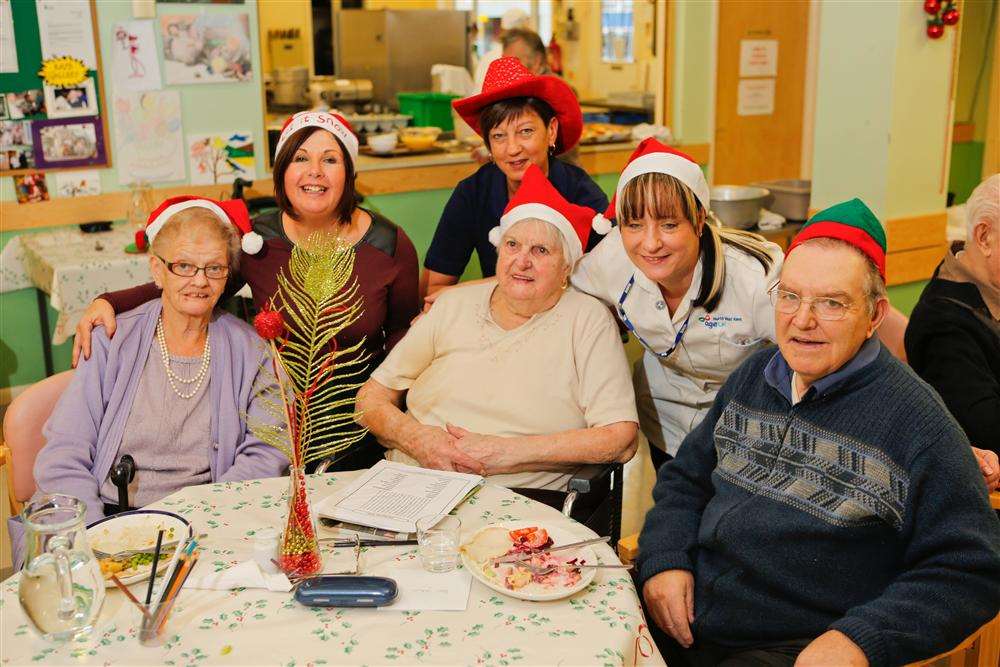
<point>860,509</point>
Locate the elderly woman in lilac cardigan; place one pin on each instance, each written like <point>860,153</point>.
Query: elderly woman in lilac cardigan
<point>174,386</point>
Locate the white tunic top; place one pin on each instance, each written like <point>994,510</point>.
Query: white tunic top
<point>674,393</point>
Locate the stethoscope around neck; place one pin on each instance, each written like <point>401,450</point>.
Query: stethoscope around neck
<point>631,327</point>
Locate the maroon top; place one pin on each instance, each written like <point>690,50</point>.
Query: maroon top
<point>385,267</point>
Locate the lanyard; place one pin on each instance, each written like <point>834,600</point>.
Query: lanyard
<point>631,327</point>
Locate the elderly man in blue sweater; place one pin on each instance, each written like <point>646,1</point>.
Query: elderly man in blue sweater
<point>828,510</point>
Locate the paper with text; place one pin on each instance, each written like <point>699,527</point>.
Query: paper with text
<point>394,495</point>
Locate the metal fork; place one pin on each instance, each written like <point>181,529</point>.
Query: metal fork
<point>545,569</point>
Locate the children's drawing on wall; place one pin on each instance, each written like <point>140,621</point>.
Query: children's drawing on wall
<point>133,57</point>
<point>31,188</point>
<point>206,48</point>
<point>78,183</point>
<point>149,137</point>
<point>221,158</point>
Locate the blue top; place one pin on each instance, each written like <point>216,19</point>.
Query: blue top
<point>860,510</point>
<point>475,208</point>
<point>778,373</point>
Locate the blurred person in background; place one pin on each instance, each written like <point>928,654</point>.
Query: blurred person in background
<point>953,339</point>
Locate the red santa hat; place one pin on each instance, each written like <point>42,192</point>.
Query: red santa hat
<point>538,199</point>
<point>333,123</point>
<point>653,157</point>
<point>233,211</point>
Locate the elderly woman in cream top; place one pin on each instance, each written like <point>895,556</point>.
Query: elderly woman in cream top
<point>521,380</point>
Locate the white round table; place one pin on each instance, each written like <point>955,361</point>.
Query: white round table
<point>597,626</point>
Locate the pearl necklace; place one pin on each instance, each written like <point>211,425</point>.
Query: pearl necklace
<point>206,356</point>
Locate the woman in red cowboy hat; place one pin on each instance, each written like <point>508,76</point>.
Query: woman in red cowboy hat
<point>524,119</point>
<point>314,189</point>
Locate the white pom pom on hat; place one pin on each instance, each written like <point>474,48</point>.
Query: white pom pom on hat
<point>601,224</point>
<point>494,235</point>
<point>233,211</point>
<point>252,243</point>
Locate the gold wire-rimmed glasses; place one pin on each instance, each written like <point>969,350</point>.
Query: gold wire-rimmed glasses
<point>826,308</point>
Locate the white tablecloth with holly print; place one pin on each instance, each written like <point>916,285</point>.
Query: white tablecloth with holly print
<point>597,626</point>
<point>72,268</point>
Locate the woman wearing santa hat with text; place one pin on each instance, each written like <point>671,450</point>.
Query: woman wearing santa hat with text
<point>175,387</point>
<point>314,187</point>
<point>694,294</point>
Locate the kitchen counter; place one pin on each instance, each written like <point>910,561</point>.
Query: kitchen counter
<point>384,175</point>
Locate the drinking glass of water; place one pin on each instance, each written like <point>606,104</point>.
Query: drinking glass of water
<point>438,540</point>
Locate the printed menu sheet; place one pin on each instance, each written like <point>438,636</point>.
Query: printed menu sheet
<point>393,496</point>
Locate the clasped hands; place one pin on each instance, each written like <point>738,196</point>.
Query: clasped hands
<point>455,448</point>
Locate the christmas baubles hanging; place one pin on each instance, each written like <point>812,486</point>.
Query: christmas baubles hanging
<point>940,16</point>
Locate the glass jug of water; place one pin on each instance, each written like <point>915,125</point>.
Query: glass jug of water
<point>61,588</point>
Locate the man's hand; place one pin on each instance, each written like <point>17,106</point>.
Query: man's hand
<point>990,467</point>
<point>98,313</point>
<point>832,649</point>
<point>433,447</point>
<point>670,599</point>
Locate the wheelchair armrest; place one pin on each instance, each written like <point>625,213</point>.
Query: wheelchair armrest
<point>586,477</point>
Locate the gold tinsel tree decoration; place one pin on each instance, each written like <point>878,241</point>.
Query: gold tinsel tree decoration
<point>313,416</point>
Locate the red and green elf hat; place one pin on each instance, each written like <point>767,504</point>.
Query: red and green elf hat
<point>851,221</point>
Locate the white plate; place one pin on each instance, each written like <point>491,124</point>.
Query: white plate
<point>534,591</point>
<point>137,530</point>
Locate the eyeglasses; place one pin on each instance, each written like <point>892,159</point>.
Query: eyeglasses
<point>826,308</point>
<point>188,270</point>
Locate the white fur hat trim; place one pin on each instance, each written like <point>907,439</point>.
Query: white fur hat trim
<point>686,171</point>
<point>541,212</point>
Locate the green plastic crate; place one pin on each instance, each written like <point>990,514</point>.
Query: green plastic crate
<point>428,109</point>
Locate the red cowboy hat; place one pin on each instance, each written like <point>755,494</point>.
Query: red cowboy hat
<point>507,78</point>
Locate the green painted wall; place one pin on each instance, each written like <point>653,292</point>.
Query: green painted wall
<point>904,297</point>
<point>20,349</point>
<point>966,169</point>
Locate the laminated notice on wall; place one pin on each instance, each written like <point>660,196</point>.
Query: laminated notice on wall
<point>65,29</point>
<point>758,57</point>
<point>755,97</point>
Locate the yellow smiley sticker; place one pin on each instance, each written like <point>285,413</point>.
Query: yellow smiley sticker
<point>62,72</point>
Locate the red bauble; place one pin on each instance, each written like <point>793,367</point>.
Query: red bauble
<point>950,16</point>
<point>935,30</point>
<point>269,324</point>
<point>932,7</point>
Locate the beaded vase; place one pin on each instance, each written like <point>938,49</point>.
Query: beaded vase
<point>299,554</point>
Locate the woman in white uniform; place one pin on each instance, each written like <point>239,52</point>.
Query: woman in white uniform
<point>692,293</point>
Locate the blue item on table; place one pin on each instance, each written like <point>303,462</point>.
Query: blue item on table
<point>341,591</point>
